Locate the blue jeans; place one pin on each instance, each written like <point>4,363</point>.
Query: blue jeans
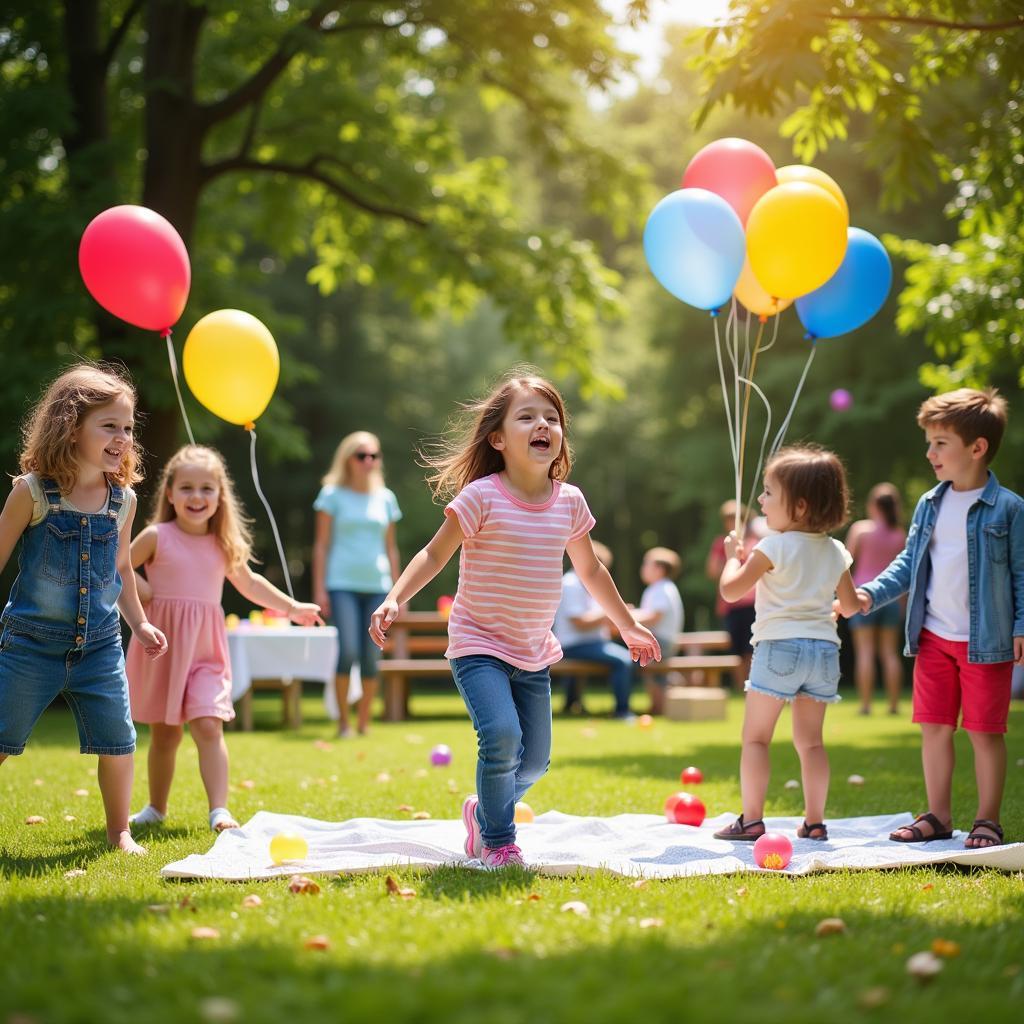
<point>511,712</point>
<point>351,612</point>
<point>620,667</point>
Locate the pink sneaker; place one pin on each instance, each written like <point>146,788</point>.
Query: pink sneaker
<point>509,856</point>
<point>474,842</point>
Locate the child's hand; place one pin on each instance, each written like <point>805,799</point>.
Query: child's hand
<point>733,546</point>
<point>323,601</point>
<point>865,601</point>
<point>1018,650</point>
<point>303,614</point>
<point>381,620</point>
<point>642,643</point>
<point>154,643</point>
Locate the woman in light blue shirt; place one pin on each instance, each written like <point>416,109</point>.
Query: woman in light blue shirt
<point>355,561</point>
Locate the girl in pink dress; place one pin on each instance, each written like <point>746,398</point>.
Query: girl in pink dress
<point>196,538</point>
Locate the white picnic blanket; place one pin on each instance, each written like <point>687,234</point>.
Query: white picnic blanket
<point>557,844</point>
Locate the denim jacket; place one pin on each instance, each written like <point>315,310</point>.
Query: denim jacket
<point>68,584</point>
<point>994,550</point>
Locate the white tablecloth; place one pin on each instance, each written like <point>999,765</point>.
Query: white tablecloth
<point>287,652</point>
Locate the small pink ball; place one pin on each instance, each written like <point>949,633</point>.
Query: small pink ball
<point>840,400</point>
<point>773,850</point>
<point>441,755</point>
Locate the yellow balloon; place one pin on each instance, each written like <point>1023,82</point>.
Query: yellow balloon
<point>288,846</point>
<point>749,291</point>
<point>796,239</point>
<point>524,813</point>
<point>802,172</point>
<point>231,364</point>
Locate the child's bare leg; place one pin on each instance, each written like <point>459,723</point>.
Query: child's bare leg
<point>808,716</point>
<point>938,760</point>
<point>366,703</point>
<point>163,752</point>
<point>115,773</point>
<point>892,667</point>
<point>864,666</point>
<point>208,734</point>
<point>759,718</point>
<point>341,692</point>
<point>990,773</point>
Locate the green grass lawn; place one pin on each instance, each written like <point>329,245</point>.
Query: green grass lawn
<point>115,942</point>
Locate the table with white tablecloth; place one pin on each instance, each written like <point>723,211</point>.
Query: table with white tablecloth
<point>291,654</point>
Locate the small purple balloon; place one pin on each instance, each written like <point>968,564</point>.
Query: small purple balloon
<point>441,755</point>
<point>840,400</point>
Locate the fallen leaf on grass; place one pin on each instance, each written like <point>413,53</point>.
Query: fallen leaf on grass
<point>202,933</point>
<point>70,817</point>
<point>247,784</point>
<point>421,816</point>
<point>741,891</point>
<point>317,942</point>
<point>830,926</point>
<point>302,884</point>
<point>453,786</point>
<point>420,773</point>
<point>856,780</point>
<point>534,896</point>
<point>945,948</point>
<point>924,966</point>
<point>872,998</point>
<point>360,755</point>
<point>218,1010</point>
<point>792,784</point>
<point>640,883</point>
<point>651,922</point>
<point>503,952</point>
<point>383,777</point>
<point>394,889</point>
<point>74,873</point>
<point>588,733</point>
<point>81,792</point>
<point>323,745</point>
<point>1011,970</point>
<point>577,907</point>
<point>252,900</point>
<point>35,819</point>
<point>38,782</point>
<point>927,886</point>
<point>159,908</point>
<point>406,808</point>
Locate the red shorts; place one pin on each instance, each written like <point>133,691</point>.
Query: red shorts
<point>946,682</point>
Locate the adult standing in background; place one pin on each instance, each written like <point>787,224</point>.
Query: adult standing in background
<point>355,561</point>
<point>874,542</point>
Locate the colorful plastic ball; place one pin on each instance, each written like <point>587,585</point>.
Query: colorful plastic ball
<point>691,776</point>
<point>685,809</point>
<point>441,755</point>
<point>773,851</point>
<point>644,722</point>
<point>524,813</point>
<point>840,400</point>
<point>288,846</point>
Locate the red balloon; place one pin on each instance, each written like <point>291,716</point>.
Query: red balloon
<point>735,169</point>
<point>135,266</point>
<point>691,776</point>
<point>684,809</point>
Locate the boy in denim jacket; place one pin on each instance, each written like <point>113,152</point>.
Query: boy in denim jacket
<point>963,566</point>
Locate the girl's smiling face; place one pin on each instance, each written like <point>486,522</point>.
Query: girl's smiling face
<point>531,432</point>
<point>104,436</point>
<point>194,494</point>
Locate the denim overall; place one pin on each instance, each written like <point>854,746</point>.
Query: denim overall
<point>61,630</point>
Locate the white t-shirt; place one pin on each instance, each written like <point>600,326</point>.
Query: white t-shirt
<point>39,509</point>
<point>947,611</point>
<point>663,596</point>
<point>793,599</point>
<point>576,601</point>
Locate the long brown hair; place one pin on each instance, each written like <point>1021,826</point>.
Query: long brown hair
<point>886,498</point>
<point>816,476</point>
<point>48,447</point>
<point>465,453</point>
<point>229,524</point>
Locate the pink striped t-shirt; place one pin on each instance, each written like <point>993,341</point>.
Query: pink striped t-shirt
<point>510,571</point>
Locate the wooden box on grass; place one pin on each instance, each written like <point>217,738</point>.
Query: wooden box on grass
<point>695,703</point>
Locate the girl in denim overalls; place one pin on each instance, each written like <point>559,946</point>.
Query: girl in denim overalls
<point>72,509</point>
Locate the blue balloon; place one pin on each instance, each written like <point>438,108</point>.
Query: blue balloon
<point>695,246</point>
<point>853,294</point>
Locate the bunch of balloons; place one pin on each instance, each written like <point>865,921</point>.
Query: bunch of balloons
<point>769,236</point>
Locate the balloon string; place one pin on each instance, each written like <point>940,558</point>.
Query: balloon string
<point>177,388</point>
<point>775,332</point>
<point>725,391</point>
<point>270,513</point>
<point>746,409</point>
<point>776,444</point>
<point>760,457</point>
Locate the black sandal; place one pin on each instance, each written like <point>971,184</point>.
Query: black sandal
<point>939,831</point>
<point>744,831</point>
<point>806,830</point>
<point>989,842</point>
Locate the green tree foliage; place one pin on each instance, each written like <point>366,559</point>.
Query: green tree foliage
<point>940,85</point>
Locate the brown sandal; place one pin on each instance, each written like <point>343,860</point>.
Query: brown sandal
<point>806,830</point>
<point>939,831</point>
<point>744,831</point>
<point>986,840</point>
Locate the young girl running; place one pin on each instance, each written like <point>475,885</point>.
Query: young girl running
<point>798,571</point>
<point>515,517</point>
<point>72,508</point>
<point>196,538</point>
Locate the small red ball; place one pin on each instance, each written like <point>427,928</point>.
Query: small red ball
<point>684,809</point>
<point>691,776</point>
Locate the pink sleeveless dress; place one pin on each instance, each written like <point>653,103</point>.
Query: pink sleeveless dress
<point>193,679</point>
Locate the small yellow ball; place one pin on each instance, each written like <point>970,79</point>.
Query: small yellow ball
<point>288,846</point>
<point>524,813</point>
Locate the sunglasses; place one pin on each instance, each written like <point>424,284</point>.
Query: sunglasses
<point>366,456</point>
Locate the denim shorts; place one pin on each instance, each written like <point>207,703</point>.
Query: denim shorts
<point>34,670</point>
<point>796,668</point>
